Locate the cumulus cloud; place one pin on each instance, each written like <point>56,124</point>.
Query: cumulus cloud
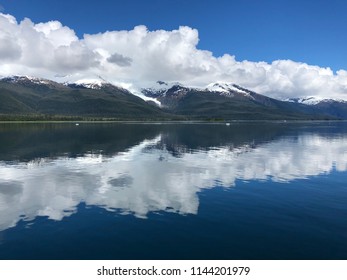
<point>74,57</point>
<point>9,49</point>
<point>139,56</point>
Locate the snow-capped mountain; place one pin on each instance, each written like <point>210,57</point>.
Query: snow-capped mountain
<point>160,89</point>
<point>34,98</point>
<point>175,96</point>
<point>31,95</point>
<point>168,94</point>
<point>229,90</point>
<point>327,106</point>
<point>314,100</point>
<point>88,83</point>
<point>96,84</point>
<point>164,89</point>
<point>29,80</point>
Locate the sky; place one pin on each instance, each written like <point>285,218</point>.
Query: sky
<point>275,47</point>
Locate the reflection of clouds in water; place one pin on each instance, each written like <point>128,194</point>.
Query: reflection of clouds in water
<point>139,182</point>
<point>283,160</point>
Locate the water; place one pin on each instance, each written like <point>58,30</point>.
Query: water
<point>173,191</point>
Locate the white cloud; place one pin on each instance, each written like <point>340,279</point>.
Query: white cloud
<point>10,49</point>
<point>139,56</point>
<point>75,57</point>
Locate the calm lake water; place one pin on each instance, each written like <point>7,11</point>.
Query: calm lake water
<point>173,191</point>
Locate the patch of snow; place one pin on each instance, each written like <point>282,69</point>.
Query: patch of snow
<point>228,90</point>
<point>225,88</point>
<point>146,98</point>
<point>219,87</point>
<point>90,83</point>
<point>313,100</point>
<point>160,87</point>
<point>15,79</point>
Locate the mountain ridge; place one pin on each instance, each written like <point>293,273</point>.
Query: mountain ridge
<point>99,98</point>
<point>27,96</point>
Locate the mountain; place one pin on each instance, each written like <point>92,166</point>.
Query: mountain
<point>89,83</point>
<point>34,98</point>
<point>332,107</point>
<point>32,82</point>
<point>227,101</point>
<point>310,100</point>
<point>22,95</point>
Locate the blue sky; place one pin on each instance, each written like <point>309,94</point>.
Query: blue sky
<point>311,31</point>
<point>275,47</point>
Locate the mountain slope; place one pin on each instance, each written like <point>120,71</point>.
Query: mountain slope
<point>28,96</point>
<point>332,107</point>
<point>228,101</point>
<point>22,95</point>
<point>206,104</point>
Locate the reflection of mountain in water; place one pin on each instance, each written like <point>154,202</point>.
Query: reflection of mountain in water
<point>165,173</point>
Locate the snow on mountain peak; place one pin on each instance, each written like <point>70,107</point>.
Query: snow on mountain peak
<point>160,88</point>
<point>89,83</point>
<point>226,88</point>
<point>19,79</point>
<point>313,100</point>
<point>220,87</point>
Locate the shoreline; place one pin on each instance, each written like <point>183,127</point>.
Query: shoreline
<point>168,121</point>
